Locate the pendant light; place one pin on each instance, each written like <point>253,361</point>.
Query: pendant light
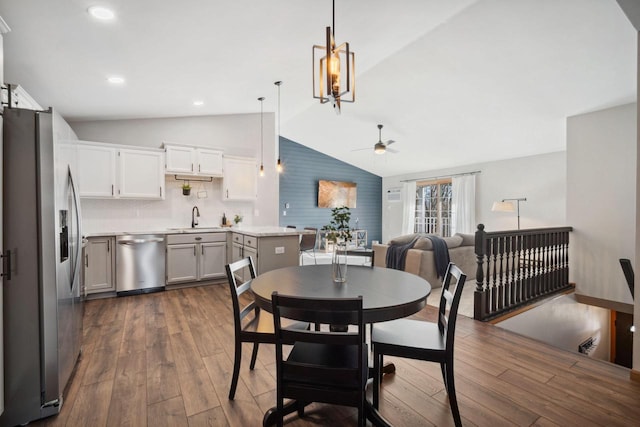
<point>335,70</point>
<point>279,167</point>
<point>261,99</point>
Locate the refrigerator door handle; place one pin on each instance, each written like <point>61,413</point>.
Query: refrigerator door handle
<point>6,267</point>
<point>77,262</point>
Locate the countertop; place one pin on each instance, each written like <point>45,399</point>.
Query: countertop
<point>255,231</point>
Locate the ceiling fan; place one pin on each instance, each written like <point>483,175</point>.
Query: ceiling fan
<point>380,147</point>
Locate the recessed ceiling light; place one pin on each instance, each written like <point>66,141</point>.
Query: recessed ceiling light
<point>116,80</point>
<point>102,13</point>
<point>198,103</point>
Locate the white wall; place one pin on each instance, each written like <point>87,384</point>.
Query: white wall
<point>564,323</point>
<point>541,179</point>
<point>601,203</point>
<point>237,135</point>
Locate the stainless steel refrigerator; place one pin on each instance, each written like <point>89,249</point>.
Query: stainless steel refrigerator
<point>42,296</point>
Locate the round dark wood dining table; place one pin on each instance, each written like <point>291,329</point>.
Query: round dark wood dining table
<point>387,294</point>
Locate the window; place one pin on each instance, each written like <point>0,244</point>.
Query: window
<point>433,207</point>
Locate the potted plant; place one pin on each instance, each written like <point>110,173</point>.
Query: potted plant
<point>339,233</point>
<point>186,188</point>
<point>237,219</point>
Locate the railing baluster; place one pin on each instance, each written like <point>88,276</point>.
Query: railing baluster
<point>515,267</point>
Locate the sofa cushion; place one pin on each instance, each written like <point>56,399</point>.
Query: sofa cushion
<point>467,239</point>
<point>424,243</point>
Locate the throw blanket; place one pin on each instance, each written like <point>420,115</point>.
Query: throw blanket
<point>440,254</point>
<point>397,254</point>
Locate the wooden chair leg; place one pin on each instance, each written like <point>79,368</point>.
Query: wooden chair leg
<point>236,369</point>
<point>377,367</point>
<point>444,376</point>
<point>451,391</point>
<point>254,355</point>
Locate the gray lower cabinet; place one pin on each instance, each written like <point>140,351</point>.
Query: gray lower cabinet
<point>268,252</point>
<point>195,257</point>
<point>99,265</point>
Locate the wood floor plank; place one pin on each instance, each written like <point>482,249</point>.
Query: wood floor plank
<point>197,391</point>
<point>212,418</point>
<point>133,334</point>
<point>129,398</point>
<point>168,413</point>
<point>162,374</point>
<point>524,397</point>
<point>560,398</point>
<point>91,407</point>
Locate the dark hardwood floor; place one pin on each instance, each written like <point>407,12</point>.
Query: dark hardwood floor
<point>165,359</point>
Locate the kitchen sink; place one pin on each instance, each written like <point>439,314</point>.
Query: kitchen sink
<point>194,230</point>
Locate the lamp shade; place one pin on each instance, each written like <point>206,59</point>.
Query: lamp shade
<point>503,207</point>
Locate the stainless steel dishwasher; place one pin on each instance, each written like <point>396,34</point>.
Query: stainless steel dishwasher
<point>140,263</point>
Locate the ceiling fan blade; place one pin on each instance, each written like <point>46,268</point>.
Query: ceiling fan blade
<point>391,150</point>
<point>389,142</point>
<point>361,149</point>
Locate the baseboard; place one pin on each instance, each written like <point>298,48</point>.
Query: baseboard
<point>635,375</point>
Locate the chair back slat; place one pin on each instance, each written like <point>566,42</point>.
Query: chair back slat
<point>365,253</point>
<point>308,241</point>
<point>236,290</point>
<point>449,302</point>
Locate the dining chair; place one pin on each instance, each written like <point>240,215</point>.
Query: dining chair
<point>308,242</point>
<point>256,328</point>
<point>365,253</point>
<point>323,366</point>
<point>414,339</point>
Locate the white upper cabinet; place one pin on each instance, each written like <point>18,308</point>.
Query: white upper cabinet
<point>180,160</point>
<point>141,174</point>
<point>240,178</point>
<point>113,171</point>
<point>209,162</point>
<point>185,160</point>
<point>96,170</point>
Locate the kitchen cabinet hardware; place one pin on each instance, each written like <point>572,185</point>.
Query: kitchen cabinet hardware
<point>198,238</point>
<point>86,260</point>
<point>6,267</point>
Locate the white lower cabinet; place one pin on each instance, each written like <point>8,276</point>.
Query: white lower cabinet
<point>99,261</point>
<point>195,257</point>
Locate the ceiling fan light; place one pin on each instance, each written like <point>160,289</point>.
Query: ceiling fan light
<point>379,148</point>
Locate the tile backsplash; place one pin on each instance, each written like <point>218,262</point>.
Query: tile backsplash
<point>123,215</point>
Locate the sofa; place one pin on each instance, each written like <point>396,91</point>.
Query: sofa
<point>420,259</point>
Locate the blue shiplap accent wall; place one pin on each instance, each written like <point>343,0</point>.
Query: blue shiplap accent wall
<point>303,167</point>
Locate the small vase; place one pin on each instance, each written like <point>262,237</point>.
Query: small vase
<point>186,191</point>
<point>339,263</point>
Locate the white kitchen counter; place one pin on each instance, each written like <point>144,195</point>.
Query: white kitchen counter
<point>255,231</point>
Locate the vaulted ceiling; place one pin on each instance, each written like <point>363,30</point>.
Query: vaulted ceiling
<point>454,82</point>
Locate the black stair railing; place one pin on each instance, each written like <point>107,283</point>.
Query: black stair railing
<point>517,267</point>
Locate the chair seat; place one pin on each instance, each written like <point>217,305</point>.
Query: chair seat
<point>415,335</point>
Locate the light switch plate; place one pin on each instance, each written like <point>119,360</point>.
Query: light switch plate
<point>279,249</point>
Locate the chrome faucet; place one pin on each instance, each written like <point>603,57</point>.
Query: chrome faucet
<point>195,214</point>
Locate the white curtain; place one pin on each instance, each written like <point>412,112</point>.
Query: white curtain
<point>408,207</point>
<point>463,204</point>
